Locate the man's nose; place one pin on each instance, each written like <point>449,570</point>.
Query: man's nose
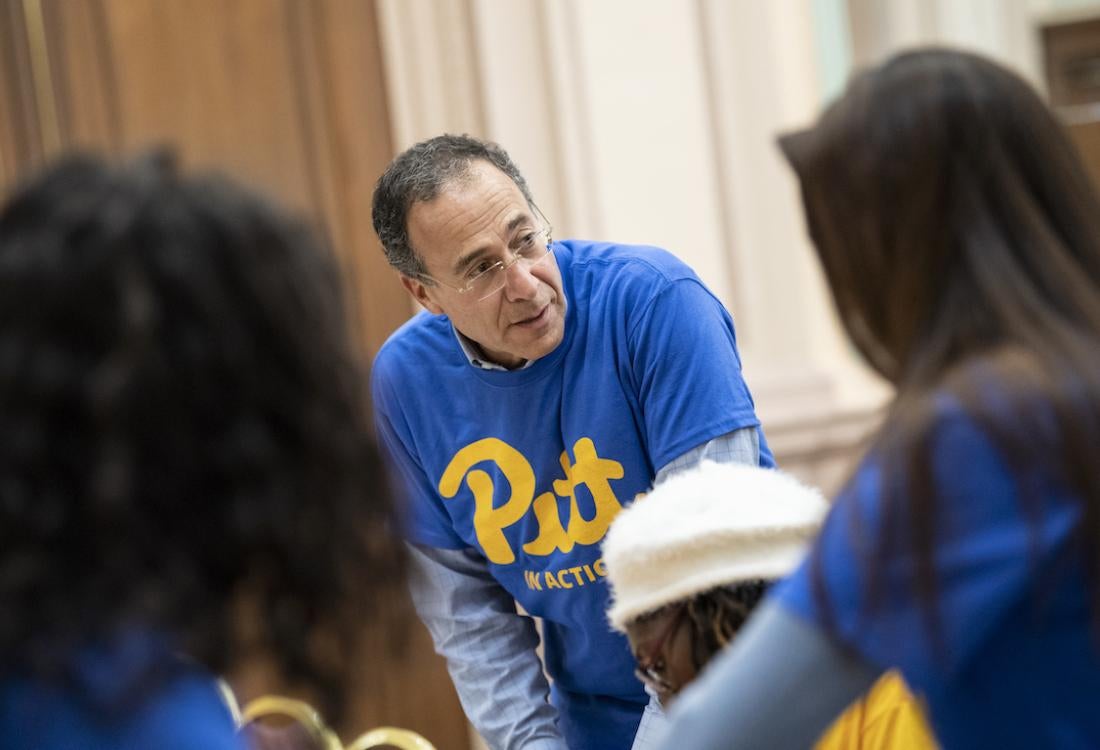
<point>519,283</point>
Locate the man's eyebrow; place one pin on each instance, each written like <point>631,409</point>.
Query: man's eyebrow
<point>467,258</point>
<point>516,222</point>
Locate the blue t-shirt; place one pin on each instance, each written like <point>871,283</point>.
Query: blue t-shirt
<point>1014,666</point>
<point>98,709</point>
<point>530,466</point>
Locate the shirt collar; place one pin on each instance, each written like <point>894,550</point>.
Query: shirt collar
<point>474,356</point>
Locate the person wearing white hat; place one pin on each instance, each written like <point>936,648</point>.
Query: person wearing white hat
<point>687,564</point>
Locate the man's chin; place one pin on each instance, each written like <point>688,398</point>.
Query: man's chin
<point>550,341</point>
<point>539,348</point>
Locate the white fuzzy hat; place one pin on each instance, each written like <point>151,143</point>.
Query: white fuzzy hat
<point>715,525</point>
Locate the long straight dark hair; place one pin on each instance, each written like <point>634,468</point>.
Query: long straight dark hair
<point>960,236</point>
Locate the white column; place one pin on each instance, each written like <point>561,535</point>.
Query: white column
<point>762,64</point>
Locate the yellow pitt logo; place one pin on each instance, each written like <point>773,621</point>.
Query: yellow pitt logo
<point>589,470</point>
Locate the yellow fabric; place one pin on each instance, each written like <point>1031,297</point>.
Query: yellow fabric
<point>888,717</point>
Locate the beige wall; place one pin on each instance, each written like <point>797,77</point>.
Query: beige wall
<point>1002,29</point>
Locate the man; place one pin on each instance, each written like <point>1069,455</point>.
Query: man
<point>545,386</point>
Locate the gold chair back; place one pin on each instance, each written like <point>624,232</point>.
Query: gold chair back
<point>322,736</point>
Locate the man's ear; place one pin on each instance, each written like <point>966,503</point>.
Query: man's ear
<point>419,291</point>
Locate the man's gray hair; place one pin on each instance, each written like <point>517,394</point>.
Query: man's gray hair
<point>418,175</point>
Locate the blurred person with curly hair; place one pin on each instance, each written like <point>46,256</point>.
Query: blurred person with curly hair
<point>188,479</point>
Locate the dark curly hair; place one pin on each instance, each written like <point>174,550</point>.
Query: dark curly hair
<point>186,447</point>
<point>715,616</point>
<point>417,175</point>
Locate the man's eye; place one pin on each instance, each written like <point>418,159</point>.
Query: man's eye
<point>478,268</point>
<point>526,242</point>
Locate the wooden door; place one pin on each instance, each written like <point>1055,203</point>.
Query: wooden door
<point>287,95</point>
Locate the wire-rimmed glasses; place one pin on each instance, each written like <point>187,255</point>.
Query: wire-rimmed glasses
<point>651,659</point>
<point>485,277</point>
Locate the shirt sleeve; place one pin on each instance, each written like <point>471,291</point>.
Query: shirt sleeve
<point>687,371</point>
<point>490,649</point>
<point>738,447</point>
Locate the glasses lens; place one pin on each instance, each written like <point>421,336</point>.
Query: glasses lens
<point>651,678</point>
<point>494,279</point>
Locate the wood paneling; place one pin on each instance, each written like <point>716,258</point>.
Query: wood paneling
<point>1071,56</point>
<point>21,148</point>
<point>288,96</point>
<point>215,78</point>
<point>344,87</point>
<point>87,103</point>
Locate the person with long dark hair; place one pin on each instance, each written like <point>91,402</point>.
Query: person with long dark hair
<point>960,236</point>
<point>188,479</point>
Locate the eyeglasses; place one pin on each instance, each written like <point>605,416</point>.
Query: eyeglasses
<point>486,277</point>
<point>651,669</point>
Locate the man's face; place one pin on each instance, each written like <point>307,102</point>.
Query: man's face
<point>661,645</point>
<point>476,218</point>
